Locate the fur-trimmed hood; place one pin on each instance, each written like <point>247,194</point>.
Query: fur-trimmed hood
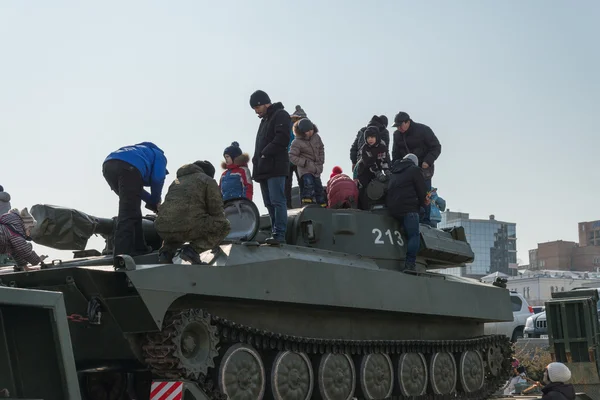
<point>302,135</point>
<point>239,161</point>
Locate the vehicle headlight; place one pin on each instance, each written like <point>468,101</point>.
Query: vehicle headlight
<point>529,322</point>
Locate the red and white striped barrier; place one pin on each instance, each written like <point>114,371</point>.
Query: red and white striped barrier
<point>164,390</point>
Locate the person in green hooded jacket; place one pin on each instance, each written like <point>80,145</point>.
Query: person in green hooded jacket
<point>192,212</point>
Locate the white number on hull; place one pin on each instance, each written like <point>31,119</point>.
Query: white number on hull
<point>388,233</point>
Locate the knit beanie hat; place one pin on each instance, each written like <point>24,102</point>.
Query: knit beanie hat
<point>27,218</point>
<point>259,98</point>
<point>558,372</point>
<point>336,171</point>
<point>207,167</point>
<point>412,157</point>
<point>305,125</point>
<point>299,113</point>
<point>371,131</point>
<point>233,151</point>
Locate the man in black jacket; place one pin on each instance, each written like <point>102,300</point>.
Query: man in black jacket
<point>270,163</point>
<point>380,122</point>
<point>405,197</point>
<point>418,139</point>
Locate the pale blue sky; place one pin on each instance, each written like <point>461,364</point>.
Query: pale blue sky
<point>509,87</point>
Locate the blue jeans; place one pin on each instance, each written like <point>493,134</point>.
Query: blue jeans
<point>313,188</point>
<point>273,193</point>
<point>412,229</point>
<point>427,208</point>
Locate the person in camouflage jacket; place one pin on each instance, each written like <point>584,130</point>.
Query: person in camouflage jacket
<point>192,212</point>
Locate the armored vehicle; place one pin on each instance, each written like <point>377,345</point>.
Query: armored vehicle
<point>328,315</point>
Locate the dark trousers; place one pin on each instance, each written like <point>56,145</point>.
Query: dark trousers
<point>126,181</point>
<point>410,222</point>
<point>313,188</point>
<point>273,194</point>
<point>288,184</point>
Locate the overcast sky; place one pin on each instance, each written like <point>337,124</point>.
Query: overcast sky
<point>511,89</point>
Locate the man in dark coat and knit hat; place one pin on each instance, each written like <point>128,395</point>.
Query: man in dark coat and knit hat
<point>271,162</point>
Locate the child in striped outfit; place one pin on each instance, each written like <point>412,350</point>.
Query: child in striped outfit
<point>15,228</point>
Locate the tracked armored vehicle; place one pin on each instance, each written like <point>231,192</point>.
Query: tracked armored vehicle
<point>328,315</point>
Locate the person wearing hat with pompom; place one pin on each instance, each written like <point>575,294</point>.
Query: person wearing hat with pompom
<point>192,212</point>
<point>271,162</point>
<point>15,231</point>
<point>296,116</point>
<point>342,191</point>
<point>236,181</point>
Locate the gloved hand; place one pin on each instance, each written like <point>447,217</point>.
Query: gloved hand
<point>381,176</point>
<point>152,207</point>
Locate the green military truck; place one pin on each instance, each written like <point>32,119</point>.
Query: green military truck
<point>36,356</point>
<point>574,336</point>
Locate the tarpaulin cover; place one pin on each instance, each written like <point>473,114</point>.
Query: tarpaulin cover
<point>61,228</point>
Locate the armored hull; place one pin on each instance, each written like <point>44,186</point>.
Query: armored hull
<point>327,315</point>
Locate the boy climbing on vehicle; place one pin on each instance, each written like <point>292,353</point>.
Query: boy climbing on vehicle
<point>374,163</point>
<point>308,154</point>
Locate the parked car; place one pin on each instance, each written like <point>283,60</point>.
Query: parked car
<point>536,325</point>
<point>538,309</point>
<point>514,330</point>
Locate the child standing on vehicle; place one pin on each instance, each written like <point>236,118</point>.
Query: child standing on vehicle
<point>308,154</point>
<point>437,206</point>
<point>235,181</point>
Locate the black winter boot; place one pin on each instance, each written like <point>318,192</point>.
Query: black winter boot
<point>166,257</point>
<point>190,255</point>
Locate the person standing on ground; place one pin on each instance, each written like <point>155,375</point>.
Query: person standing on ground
<point>4,201</point>
<point>127,170</point>
<point>271,162</point>
<point>406,195</point>
<point>192,212</point>
<point>295,117</point>
<point>418,139</point>
<point>554,383</point>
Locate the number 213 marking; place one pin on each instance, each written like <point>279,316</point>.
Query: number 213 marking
<point>388,233</point>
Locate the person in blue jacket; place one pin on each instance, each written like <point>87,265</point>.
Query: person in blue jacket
<point>437,205</point>
<point>127,171</point>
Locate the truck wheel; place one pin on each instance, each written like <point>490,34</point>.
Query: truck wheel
<point>518,333</point>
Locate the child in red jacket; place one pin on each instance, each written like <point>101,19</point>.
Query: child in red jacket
<point>235,181</point>
<point>342,191</point>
